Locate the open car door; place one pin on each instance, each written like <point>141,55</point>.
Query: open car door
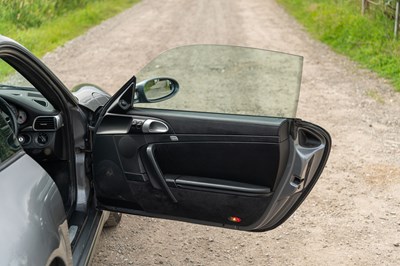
<point>226,151</point>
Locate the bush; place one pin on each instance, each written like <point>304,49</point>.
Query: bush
<point>366,39</point>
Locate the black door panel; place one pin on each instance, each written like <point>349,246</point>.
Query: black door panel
<point>226,170</point>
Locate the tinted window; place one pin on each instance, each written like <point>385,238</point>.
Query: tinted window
<point>229,79</point>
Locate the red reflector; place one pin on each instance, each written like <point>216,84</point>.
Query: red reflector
<point>234,219</point>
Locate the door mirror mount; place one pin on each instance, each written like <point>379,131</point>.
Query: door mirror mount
<point>155,90</point>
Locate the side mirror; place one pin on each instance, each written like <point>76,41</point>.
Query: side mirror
<point>155,90</point>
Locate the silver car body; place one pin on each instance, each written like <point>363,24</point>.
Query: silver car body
<point>33,214</point>
<point>34,224</point>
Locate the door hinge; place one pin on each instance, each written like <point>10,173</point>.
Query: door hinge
<point>88,142</point>
<point>90,134</point>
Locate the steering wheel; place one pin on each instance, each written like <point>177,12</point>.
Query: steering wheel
<point>6,108</point>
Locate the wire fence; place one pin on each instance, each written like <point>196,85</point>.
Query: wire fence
<point>390,7</point>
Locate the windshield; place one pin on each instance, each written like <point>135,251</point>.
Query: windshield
<point>9,78</point>
<point>229,79</point>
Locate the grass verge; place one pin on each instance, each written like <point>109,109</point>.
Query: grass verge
<point>366,39</point>
<point>58,27</point>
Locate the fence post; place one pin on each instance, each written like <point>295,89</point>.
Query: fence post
<point>396,20</point>
<point>364,6</point>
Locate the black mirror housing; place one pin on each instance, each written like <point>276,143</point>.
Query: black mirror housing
<point>155,90</point>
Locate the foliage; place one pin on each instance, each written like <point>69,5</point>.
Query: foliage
<point>366,39</point>
<point>26,14</point>
<point>43,25</point>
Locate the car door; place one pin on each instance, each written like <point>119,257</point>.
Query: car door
<point>221,157</point>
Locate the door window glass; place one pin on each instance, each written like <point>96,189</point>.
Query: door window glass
<point>229,79</point>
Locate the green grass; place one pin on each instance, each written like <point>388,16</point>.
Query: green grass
<point>366,39</point>
<point>43,25</point>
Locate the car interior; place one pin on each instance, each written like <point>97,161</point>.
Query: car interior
<point>40,129</point>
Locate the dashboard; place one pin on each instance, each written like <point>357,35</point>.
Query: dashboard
<point>38,121</point>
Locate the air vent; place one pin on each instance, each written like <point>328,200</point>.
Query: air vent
<point>41,102</point>
<point>46,123</point>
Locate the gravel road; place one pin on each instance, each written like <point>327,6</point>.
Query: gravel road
<point>352,215</point>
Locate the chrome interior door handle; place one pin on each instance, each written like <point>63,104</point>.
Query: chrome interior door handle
<point>154,126</point>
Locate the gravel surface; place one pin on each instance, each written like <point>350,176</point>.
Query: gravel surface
<point>352,215</point>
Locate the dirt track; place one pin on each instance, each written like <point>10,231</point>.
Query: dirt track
<point>352,215</point>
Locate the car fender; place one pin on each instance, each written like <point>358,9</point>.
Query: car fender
<point>34,220</point>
